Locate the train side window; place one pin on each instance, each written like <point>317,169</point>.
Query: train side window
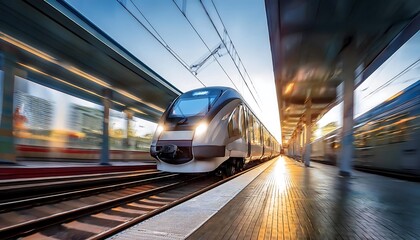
<point>266,138</point>
<point>257,132</point>
<point>382,132</point>
<point>358,139</point>
<point>367,134</point>
<point>408,128</point>
<point>403,129</point>
<point>373,136</point>
<point>234,125</point>
<point>394,134</point>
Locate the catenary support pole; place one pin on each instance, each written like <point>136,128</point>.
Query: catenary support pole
<point>346,156</point>
<point>298,141</point>
<point>7,85</point>
<point>107,94</point>
<point>348,74</point>
<point>308,134</point>
<point>129,117</point>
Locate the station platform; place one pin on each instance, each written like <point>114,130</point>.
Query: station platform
<point>54,168</point>
<point>281,199</point>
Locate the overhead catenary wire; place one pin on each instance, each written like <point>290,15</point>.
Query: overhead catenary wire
<point>393,79</point>
<point>223,41</point>
<point>239,58</point>
<point>201,38</point>
<point>161,40</point>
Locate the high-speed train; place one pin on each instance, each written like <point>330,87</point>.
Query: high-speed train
<point>210,128</point>
<point>386,138</point>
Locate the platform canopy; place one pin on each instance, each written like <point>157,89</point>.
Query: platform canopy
<point>312,42</point>
<point>55,46</point>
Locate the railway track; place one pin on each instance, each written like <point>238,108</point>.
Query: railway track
<point>16,190</point>
<point>25,181</point>
<point>99,212</point>
<point>74,190</point>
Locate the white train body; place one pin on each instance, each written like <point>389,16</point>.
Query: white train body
<point>386,138</point>
<point>209,127</point>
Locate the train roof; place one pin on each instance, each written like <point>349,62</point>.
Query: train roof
<point>223,89</point>
<point>404,95</point>
<point>229,93</point>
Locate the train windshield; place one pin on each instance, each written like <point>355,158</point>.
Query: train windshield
<point>194,104</point>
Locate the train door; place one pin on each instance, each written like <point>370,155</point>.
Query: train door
<point>244,127</point>
<point>250,132</point>
<point>258,151</point>
<point>244,120</point>
<point>237,144</point>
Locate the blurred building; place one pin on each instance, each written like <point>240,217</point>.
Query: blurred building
<point>85,119</point>
<point>38,111</point>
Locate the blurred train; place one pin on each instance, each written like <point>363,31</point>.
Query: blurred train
<point>386,138</point>
<point>210,128</point>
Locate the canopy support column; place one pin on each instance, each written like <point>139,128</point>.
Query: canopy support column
<point>308,120</point>
<point>105,127</point>
<point>7,87</point>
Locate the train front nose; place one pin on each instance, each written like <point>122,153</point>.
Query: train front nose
<point>174,147</point>
<point>169,151</point>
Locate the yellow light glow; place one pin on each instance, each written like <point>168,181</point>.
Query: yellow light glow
<point>377,129</point>
<point>26,47</point>
<point>159,130</point>
<point>280,175</point>
<point>58,79</point>
<point>201,128</point>
<point>318,133</point>
<point>87,76</point>
<point>129,95</point>
<point>136,110</point>
<point>289,88</point>
<point>65,82</point>
<point>72,69</point>
<point>394,96</point>
<point>121,104</point>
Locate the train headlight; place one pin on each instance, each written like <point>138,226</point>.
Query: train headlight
<point>159,130</point>
<point>200,129</point>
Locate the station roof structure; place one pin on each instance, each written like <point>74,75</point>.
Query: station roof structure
<point>311,42</point>
<point>59,48</point>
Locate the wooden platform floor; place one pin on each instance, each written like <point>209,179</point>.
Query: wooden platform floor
<point>289,201</point>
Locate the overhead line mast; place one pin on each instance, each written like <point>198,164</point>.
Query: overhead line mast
<point>196,66</point>
<point>161,40</point>
<point>230,50</point>
<point>201,38</point>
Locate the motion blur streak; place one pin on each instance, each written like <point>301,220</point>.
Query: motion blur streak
<point>26,47</point>
<point>72,69</point>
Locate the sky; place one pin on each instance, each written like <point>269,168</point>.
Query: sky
<point>159,34</point>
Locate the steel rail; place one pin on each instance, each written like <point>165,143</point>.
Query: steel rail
<point>134,221</point>
<point>36,201</point>
<point>37,225</point>
<point>25,181</point>
<point>38,189</point>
